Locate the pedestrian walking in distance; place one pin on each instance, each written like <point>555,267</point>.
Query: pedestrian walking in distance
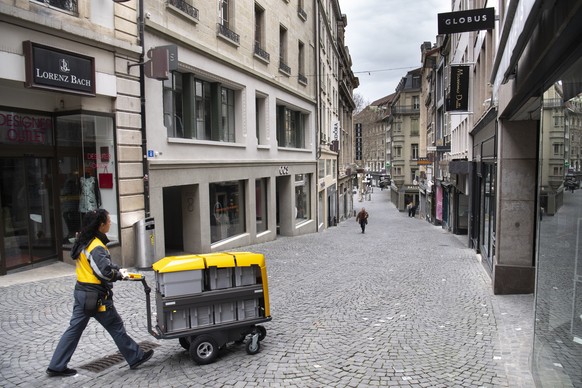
<point>362,218</point>
<point>94,297</point>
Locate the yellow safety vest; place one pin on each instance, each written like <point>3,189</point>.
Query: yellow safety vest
<point>84,271</point>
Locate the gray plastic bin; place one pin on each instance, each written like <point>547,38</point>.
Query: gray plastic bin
<point>145,248</point>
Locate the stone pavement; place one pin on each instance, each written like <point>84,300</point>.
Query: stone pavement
<point>404,305</point>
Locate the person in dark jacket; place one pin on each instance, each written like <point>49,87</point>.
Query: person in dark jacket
<point>362,219</point>
<point>94,297</point>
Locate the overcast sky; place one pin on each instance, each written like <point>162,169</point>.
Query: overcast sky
<point>384,39</point>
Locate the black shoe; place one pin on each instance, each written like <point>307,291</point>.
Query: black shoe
<point>146,356</point>
<point>64,373</point>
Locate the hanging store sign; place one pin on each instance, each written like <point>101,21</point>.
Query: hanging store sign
<point>464,21</point>
<point>58,70</point>
<point>459,92</point>
<point>358,141</point>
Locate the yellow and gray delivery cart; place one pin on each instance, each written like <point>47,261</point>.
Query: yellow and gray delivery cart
<point>209,300</point>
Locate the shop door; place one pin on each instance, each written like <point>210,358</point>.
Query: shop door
<point>27,211</point>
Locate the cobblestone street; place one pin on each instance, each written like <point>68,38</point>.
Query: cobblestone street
<point>404,305</point>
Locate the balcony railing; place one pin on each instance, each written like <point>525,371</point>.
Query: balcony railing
<point>65,5</point>
<point>261,53</point>
<point>301,12</point>
<point>302,79</point>
<point>284,67</point>
<point>553,103</point>
<point>183,6</point>
<point>403,109</point>
<point>228,34</point>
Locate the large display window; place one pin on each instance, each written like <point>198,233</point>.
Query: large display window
<point>557,356</point>
<point>261,204</point>
<point>86,171</point>
<point>227,210</point>
<point>302,199</point>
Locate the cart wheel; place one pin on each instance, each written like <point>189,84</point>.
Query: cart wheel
<point>184,342</point>
<point>262,332</point>
<point>252,348</point>
<point>203,349</point>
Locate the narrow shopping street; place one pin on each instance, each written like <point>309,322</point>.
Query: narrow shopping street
<point>406,304</point>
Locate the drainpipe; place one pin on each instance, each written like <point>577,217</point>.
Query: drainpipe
<point>146,183</point>
<point>318,116</point>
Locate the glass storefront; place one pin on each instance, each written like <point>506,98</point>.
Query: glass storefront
<point>302,203</point>
<point>86,171</point>
<point>261,204</point>
<point>487,216</point>
<point>557,355</point>
<point>52,171</point>
<point>227,210</point>
<point>27,209</point>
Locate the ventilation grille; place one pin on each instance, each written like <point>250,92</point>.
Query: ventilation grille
<point>108,361</point>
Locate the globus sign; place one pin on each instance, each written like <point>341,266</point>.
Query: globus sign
<point>464,21</point>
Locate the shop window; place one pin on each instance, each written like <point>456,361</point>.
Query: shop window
<point>320,207</point>
<point>290,127</point>
<point>302,198</point>
<point>261,198</point>
<point>227,210</point>
<point>558,293</point>
<point>198,109</point>
<point>86,163</point>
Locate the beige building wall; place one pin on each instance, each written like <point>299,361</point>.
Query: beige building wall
<point>107,32</point>
<point>275,77</point>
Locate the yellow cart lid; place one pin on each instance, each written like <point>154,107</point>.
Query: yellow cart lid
<point>219,259</point>
<point>179,263</point>
<point>246,259</point>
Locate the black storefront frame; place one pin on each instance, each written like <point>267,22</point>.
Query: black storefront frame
<point>484,136</point>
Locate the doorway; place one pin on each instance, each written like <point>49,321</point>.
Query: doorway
<point>28,220</point>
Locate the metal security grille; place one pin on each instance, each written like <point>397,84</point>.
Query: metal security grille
<point>108,361</point>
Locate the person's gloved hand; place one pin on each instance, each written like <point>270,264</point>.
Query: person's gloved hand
<point>124,274</point>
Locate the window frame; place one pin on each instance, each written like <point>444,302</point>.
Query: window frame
<point>199,109</point>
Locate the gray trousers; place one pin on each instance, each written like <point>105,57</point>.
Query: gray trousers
<point>109,319</point>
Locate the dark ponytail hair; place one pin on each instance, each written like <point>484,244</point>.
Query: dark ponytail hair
<point>89,230</point>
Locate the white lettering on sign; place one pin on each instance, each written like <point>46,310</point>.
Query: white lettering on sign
<point>69,79</point>
<point>466,20</point>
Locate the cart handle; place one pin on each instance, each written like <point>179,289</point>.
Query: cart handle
<point>148,291</point>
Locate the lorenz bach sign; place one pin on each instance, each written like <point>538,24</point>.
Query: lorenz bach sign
<point>464,21</point>
<point>55,69</point>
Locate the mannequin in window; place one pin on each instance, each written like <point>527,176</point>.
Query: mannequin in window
<point>90,196</point>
